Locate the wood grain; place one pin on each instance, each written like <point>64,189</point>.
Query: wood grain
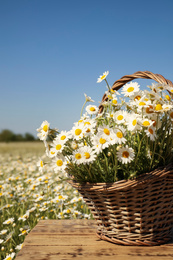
<point>76,239</point>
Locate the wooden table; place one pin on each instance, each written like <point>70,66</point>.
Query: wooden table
<point>76,239</point>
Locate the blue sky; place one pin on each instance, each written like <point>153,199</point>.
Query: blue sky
<point>52,52</point>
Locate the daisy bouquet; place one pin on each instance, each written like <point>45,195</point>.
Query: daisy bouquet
<point>130,133</point>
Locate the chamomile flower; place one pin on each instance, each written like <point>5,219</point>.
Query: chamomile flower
<point>77,156</point>
<point>92,109</point>
<point>119,134</point>
<point>3,232</point>
<point>132,122</point>
<point>64,136</point>
<point>88,154</point>
<point>125,154</point>
<point>43,131</point>
<point>146,122</point>
<point>158,108</point>
<point>59,163</point>
<point>102,77</point>
<point>77,131</point>
<point>120,116</point>
<point>150,132</point>
<point>10,256</point>
<point>57,146</point>
<point>130,88</point>
<point>105,130</point>
<point>8,221</point>
<point>40,165</point>
<point>100,142</point>
<point>88,99</point>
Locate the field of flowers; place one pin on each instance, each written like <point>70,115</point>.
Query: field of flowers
<point>26,195</point>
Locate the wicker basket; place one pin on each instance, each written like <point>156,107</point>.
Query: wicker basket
<point>133,212</point>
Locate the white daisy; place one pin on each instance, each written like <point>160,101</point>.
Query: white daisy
<point>150,132</point>
<point>40,165</point>
<point>10,256</point>
<point>130,88</point>
<point>105,130</point>
<point>125,154</point>
<point>118,137</point>
<point>132,122</point>
<point>77,131</point>
<point>146,122</point>
<point>77,156</point>
<point>43,131</point>
<point>88,99</point>
<point>92,110</point>
<point>100,142</point>
<point>120,116</point>
<point>102,77</point>
<point>59,163</point>
<point>57,146</point>
<point>88,155</point>
<point>64,136</point>
<point>9,221</point>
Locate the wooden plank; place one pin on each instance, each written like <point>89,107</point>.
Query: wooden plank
<point>67,239</point>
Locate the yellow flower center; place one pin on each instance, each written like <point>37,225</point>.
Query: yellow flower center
<point>78,156</point>
<point>151,131</point>
<point>87,155</point>
<point>58,147</point>
<point>41,163</point>
<point>119,134</point>
<point>103,77</point>
<point>102,140</point>
<point>142,103</point>
<point>52,152</point>
<point>146,123</point>
<point>45,128</point>
<point>60,197</point>
<point>88,130</point>
<point>130,89</point>
<point>171,90</point>
<point>87,123</point>
<point>158,107</point>
<point>114,101</point>
<point>92,109</point>
<point>134,122</point>
<point>9,258</point>
<point>63,137</point>
<point>168,97</point>
<point>78,131</point>
<point>106,131</point>
<point>59,162</point>
<point>68,211</point>
<point>125,154</point>
<point>120,117</point>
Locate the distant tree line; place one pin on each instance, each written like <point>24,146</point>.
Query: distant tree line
<point>8,136</point>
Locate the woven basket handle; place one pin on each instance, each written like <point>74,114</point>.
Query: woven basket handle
<point>139,74</point>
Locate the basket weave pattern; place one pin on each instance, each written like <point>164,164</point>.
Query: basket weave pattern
<point>133,212</point>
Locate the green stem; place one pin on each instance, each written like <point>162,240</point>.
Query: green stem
<point>82,108</point>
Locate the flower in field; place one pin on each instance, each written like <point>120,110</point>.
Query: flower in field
<point>8,221</point>
<point>77,156</point>
<point>19,247</point>
<point>88,99</point>
<point>120,116</point>
<point>88,154</point>
<point>105,130</point>
<point>130,88</point>
<point>10,256</point>
<point>3,232</point>
<point>24,232</point>
<point>151,133</point>
<point>1,241</point>
<point>125,154</point>
<point>43,131</point>
<point>92,110</point>
<point>158,108</point>
<point>102,77</point>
